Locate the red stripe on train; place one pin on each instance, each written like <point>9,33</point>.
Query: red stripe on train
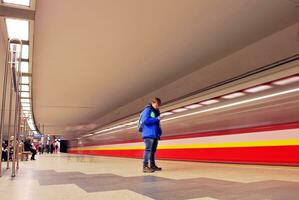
<point>277,155</point>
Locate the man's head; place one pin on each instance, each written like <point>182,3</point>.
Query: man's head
<point>156,103</point>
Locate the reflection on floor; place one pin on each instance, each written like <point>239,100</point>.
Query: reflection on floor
<point>75,177</point>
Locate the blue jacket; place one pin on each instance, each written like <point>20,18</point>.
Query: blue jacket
<point>150,122</point>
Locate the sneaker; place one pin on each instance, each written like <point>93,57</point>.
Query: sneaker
<point>146,169</point>
<point>156,168</point>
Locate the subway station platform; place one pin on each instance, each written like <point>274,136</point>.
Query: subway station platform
<point>72,177</point>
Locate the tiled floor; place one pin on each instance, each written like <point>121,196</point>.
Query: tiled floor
<point>64,177</point>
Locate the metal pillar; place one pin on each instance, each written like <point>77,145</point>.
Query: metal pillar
<point>19,129</point>
<point>3,104</point>
<point>9,125</point>
<point>15,63</point>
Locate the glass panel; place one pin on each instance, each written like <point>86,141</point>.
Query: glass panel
<point>18,2</point>
<point>25,94</point>
<point>25,51</point>
<point>25,88</point>
<point>25,80</point>
<point>18,29</point>
<point>24,67</point>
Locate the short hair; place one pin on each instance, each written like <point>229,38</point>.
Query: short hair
<point>156,100</point>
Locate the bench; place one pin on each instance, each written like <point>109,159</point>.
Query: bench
<point>25,155</point>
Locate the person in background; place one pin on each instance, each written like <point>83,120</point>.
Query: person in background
<point>27,145</point>
<point>47,147</point>
<point>151,133</point>
<point>43,148</point>
<point>33,151</point>
<point>56,146</point>
<point>40,146</point>
<point>4,151</point>
<point>52,147</point>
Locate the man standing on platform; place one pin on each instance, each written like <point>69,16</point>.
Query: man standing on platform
<point>149,126</point>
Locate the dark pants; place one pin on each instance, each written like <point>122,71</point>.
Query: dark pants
<point>33,153</point>
<point>4,155</point>
<point>149,151</point>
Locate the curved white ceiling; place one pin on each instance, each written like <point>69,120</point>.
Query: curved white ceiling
<point>91,57</point>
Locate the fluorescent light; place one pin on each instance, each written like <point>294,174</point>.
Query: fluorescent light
<point>25,94</point>
<point>25,80</point>
<point>131,123</point>
<point>25,88</point>
<point>100,131</point>
<point>219,107</point>
<point>179,110</point>
<point>286,80</point>
<point>17,29</point>
<point>25,104</point>
<point>258,88</point>
<point>25,100</point>
<point>209,102</point>
<point>233,95</point>
<point>119,126</point>
<point>133,127</point>
<point>104,130</point>
<point>166,114</point>
<point>18,2</point>
<point>26,108</point>
<point>235,104</point>
<point>193,106</point>
<point>114,131</point>
<point>24,67</point>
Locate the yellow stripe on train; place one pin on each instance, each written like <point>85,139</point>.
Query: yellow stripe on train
<point>289,142</point>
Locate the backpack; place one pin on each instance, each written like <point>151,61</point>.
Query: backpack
<point>140,124</point>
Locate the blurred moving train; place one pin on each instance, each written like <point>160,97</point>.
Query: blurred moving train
<point>251,120</point>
